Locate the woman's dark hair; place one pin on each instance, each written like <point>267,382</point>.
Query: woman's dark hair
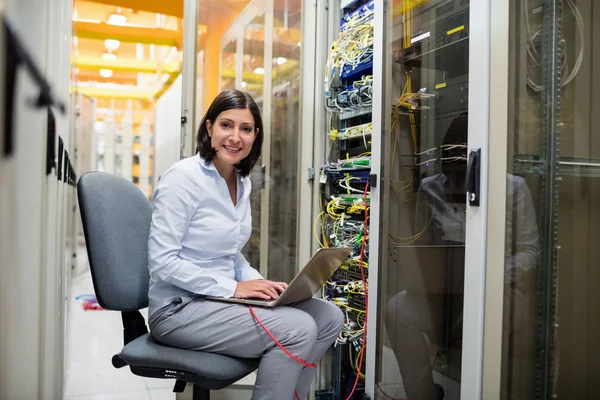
<point>228,100</point>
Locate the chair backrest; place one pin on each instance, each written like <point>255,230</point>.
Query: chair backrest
<point>116,219</point>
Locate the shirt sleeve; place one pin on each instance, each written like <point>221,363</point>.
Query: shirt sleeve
<point>243,270</point>
<point>175,201</point>
<point>523,251</point>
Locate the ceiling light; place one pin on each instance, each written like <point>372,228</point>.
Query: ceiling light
<point>244,84</point>
<point>259,71</point>
<point>106,73</point>
<point>117,19</point>
<point>112,44</point>
<point>109,56</point>
<point>281,60</point>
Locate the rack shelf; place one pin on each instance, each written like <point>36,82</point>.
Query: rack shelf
<point>355,113</point>
<point>567,166</point>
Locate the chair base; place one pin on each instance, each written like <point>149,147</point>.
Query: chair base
<point>199,393</point>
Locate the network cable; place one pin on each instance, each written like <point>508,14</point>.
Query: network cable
<point>533,41</point>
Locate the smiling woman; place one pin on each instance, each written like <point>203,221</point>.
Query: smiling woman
<point>201,221</point>
<point>232,120</point>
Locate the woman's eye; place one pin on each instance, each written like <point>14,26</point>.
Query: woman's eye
<point>225,125</point>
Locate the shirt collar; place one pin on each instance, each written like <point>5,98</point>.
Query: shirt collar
<point>211,167</point>
<point>207,165</point>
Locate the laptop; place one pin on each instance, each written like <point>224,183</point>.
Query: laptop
<point>308,281</point>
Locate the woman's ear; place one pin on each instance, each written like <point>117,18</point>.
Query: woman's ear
<point>209,127</point>
<point>256,132</point>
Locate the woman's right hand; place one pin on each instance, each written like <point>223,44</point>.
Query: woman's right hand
<point>259,289</point>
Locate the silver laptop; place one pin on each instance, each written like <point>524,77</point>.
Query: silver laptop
<point>308,281</point>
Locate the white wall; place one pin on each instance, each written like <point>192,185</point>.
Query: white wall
<point>167,130</point>
<point>33,211</point>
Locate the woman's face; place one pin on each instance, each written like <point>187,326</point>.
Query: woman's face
<point>232,135</point>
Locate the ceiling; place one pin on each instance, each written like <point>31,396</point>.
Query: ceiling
<point>149,34</point>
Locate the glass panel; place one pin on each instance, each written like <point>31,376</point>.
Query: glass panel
<point>419,354</point>
<point>252,82</point>
<point>228,66</point>
<point>284,139</point>
<point>553,193</point>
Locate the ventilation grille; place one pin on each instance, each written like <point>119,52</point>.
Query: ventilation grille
<point>444,9</point>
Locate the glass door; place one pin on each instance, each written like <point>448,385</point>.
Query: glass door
<point>548,325</point>
<point>228,65</point>
<point>421,273</point>
<point>252,82</point>
<point>263,49</point>
<point>285,139</point>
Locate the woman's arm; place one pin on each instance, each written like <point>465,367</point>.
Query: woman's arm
<point>243,270</point>
<point>175,201</point>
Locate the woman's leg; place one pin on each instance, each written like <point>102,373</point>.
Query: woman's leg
<point>329,320</point>
<point>231,329</point>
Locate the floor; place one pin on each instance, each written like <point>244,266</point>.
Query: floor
<point>93,337</point>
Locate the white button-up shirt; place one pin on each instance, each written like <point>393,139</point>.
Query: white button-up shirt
<point>197,234</point>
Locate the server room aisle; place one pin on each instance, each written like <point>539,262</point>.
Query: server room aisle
<point>93,337</point>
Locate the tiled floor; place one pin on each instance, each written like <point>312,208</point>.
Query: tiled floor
<point>93,338</point>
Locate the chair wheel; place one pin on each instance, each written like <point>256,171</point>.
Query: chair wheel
<point>118,362</point>
<point>439,392</point>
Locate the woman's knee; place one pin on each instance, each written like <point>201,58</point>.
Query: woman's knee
<point>337,317</point>
<point>304,329</point>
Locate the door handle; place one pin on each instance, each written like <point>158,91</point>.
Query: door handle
<point>263,176</point>
<point>473,183</point>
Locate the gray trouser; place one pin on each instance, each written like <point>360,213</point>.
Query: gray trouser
<point>306,330</point>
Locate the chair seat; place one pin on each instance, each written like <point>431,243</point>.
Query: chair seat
<point>145,352</point>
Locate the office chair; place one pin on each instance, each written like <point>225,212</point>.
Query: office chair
<point>116,220</point>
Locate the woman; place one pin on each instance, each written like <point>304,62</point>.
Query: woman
<point>200,223</point>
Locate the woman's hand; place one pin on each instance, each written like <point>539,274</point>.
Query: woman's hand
<point>259,289</point>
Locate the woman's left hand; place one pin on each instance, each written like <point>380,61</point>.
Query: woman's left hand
<point>279,286</point>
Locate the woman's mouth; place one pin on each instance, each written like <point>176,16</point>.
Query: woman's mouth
<point>232,149</point>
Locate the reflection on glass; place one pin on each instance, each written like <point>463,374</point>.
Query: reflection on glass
<point>550,323</point>
<point>284,139</point>
<point>419,356</point>
<point>228,57</point>
<point>252,82</point>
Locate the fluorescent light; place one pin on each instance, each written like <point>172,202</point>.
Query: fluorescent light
<point>281,60</point>
<point>106,73</point>
<point>111,44</point>
<point>420,37</point>
<point>117,19</point>
<point>109,56</point>
<point>259,71</point>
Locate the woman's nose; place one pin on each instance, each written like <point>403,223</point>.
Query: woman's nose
<point>235,136</point>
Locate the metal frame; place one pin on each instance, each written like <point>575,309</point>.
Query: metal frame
<point>552,48</point>
<point>378,234</point>
<point>326,28</point>
<point>265,198</point>
<point>486,225</point>
<point>188,71</point>
<point>477,234</point>
<point>310,106</point>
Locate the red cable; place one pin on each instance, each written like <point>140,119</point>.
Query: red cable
<point>279,344</point>
<point>362,273</point>
<point>309,365</point>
